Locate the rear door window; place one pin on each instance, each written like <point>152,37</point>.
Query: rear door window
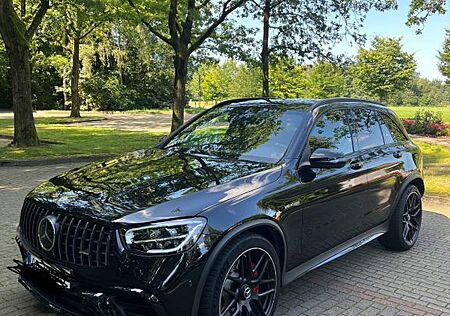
<point>367,129</point>
<point>391,132</point>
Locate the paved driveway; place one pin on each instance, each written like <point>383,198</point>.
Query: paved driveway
<point>368,281</point>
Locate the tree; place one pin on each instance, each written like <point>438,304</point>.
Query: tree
<point>246,82</point>
<point>310,28</point>
<point>324,80</point>
<point>422,92</point>
<point>288,79</point>
<point>226,81</point>
<point>5,81</point>
<point>444,58</point>
<point>383,69</point>
<point>17,36</point>
<point>80,19</point>
<point>125,67</point>
<point>185,28</point>
<point>421,10</point>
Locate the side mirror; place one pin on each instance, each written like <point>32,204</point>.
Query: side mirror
<point>326,158</point>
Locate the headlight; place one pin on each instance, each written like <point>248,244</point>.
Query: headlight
<point>165,237</point>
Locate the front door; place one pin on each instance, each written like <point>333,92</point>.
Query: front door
<point>328,201</point>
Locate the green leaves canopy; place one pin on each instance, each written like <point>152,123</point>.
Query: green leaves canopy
<point>444,58</point>
<point>383,69</point>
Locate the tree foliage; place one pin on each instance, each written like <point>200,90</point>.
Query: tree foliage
<point>185,26</point>
<point>229,80</point>
<point>422,92</point>
<point>309,29</point>
<point>129,69</point>
<point>444,58</point>
<point>118,55</point>
<point>383,69</point>
<point>421,10</point>
<point>289,80</point>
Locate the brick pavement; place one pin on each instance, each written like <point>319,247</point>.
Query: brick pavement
<point>368,281</point>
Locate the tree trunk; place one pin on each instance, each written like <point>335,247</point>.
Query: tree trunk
<point>180,65</point>
<point>18,51</point>
<point>265,48</point>
<point>25,134</point>
<point>75,79</point>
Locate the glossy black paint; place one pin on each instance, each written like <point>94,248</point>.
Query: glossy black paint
<point>304,211</point>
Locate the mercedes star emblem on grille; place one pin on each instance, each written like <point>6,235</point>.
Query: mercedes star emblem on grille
<point>47,232</point>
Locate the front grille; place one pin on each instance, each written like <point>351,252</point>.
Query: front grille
<point>77,241</point>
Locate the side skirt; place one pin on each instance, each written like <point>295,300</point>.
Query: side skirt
<point>336,252</point>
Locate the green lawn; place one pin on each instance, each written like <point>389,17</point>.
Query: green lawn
<point>192,110</point>
<point>408,112</point>
<point>76,141</point>
<point>436,169</point>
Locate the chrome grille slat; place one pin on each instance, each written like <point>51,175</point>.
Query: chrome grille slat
<point>90,245</point>
<point>60,238</point>
<point>54,251</point>
<point>32,223</point>
<point>76,238</point>
<point>108,245</point>
<point>66,242</point>
<point>74,246</point>
<point>99,243</point>
<point>83,236</point>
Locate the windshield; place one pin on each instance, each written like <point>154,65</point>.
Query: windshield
<point>246,132</point>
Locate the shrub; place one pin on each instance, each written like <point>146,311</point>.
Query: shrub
<point>105,92</point>
<point>427,122</point>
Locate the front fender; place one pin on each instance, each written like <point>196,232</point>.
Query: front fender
<point>227,237</point>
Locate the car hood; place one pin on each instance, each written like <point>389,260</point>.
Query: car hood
<point>150,185</point>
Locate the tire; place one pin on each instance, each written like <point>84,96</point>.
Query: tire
<point>231,287</point>
<point>406,221</point>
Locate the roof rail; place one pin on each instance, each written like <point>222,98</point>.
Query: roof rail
<point>331,100</point>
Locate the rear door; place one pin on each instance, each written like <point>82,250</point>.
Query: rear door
<point>383,165</point>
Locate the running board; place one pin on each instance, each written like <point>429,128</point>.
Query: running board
<point>336,252</point>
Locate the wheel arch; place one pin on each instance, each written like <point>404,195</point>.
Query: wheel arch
<point>419,183</point>
<point>266,228</point>
<point>415,179</point>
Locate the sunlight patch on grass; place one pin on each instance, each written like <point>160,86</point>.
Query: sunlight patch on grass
<point>436,168</point>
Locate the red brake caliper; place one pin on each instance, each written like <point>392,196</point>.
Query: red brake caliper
<point>255,275</point>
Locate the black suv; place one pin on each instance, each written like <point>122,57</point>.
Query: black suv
<point>240,201</point>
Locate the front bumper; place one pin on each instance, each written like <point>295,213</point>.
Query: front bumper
<point>135,286</point>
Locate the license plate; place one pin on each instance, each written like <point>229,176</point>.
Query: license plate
<point>57,273</point>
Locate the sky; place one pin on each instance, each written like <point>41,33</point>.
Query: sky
<point>424,46</point>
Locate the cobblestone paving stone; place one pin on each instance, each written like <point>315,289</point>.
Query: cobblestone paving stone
<point>368,281</point>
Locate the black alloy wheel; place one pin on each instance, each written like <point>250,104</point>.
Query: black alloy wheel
<point>244,279</point>
<point>412,218</point>
<point>250,285</point>
<point>405,221</point>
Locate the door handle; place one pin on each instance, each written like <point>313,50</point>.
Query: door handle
<point>397,154</point>
<point>356,165</point>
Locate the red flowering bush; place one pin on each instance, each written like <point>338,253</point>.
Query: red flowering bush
<point>408,123</point>
<point>427,122</point>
